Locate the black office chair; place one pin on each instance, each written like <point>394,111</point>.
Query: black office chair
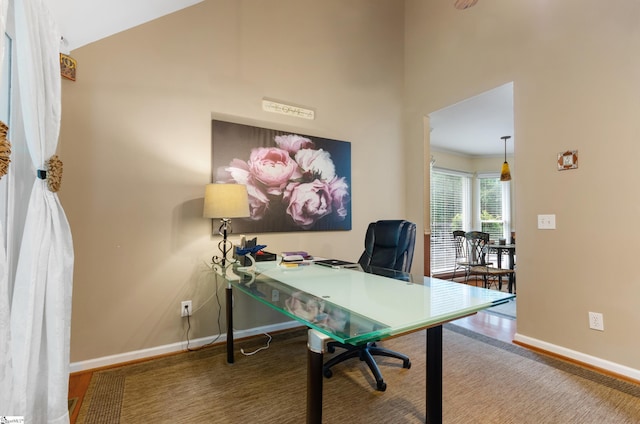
<point>388,245</point>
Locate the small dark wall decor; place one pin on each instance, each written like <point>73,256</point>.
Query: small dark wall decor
<point>295,182</point>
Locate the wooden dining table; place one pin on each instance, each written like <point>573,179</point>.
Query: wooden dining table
<point>511,251</point>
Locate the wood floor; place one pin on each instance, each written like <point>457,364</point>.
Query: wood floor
<point>482,322</point>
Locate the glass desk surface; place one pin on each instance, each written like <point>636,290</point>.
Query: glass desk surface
<point>355,307</point>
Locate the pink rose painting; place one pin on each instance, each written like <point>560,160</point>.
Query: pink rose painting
<point>295,182</point>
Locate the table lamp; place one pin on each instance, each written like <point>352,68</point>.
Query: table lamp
<point>225,201</point>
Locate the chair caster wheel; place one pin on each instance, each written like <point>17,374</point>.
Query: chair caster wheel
<point>406,364</point>
<point>381,386</point>
<point>327,373</point>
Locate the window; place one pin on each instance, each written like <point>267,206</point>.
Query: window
<point>450,210</point>
<point>6,77</point>
<point>5,101</point>
<point>493,210</point>
<point>14,197</point>
<point>451,193</point>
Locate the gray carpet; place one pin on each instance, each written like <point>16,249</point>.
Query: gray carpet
<point>485,381</point>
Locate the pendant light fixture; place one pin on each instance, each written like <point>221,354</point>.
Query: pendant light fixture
<point>505,174</point>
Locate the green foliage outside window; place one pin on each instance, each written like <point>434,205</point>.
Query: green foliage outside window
<point>494,229</point>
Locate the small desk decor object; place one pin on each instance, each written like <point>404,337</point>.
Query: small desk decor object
<point>567,160</point>
<point>249,252</point>
<point>295,259</point>
<point>337,264</point>
<point>301,254</point>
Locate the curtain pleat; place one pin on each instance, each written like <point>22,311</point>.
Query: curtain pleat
<point>41,303</point>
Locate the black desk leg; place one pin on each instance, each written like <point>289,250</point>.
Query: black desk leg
<point>314,388</point>
<point>434,375</point>
<point>229,305</point>
<point>315,362</point>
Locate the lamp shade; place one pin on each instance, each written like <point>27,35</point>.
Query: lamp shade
<point>225,201</point>
<point>505,174</point>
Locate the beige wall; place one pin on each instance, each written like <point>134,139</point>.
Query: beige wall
<point>480,164</point>
<point>136,144</point>
<point>453,161</point>
<point>136,141</point>
<point>576,74</point>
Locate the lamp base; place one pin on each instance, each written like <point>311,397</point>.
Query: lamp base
<point>224,245</point>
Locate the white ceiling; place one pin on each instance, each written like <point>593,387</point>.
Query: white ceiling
<point>472,127</point>
<point>475,125</point>
<point>85,21</point>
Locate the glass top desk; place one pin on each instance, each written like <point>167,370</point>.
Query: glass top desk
<point>356,307</point>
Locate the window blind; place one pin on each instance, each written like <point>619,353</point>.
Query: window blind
<point>493,209</point>
<point>450,210</point>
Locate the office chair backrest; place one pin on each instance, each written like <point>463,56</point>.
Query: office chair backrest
<point>389,244</point>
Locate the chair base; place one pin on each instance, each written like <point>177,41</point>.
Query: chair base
<point>365,353</point>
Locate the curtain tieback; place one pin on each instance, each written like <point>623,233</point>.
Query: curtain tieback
<point>52,174</point>
<point>5,150</point>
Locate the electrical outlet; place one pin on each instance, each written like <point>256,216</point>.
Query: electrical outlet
<point>186,309</point>
<point>275,295</point>
<point>596,321</point>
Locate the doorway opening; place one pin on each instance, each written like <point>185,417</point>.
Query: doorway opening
<point>467,151</point>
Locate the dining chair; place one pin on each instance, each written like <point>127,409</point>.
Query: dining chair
<point>389,246</point>
<point>478,243</point>
<point>471,243</point>
<point>462,260</point>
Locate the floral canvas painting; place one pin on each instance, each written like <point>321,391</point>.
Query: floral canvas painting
<point>295,182</point>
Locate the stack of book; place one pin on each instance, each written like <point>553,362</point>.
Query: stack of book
<point>295,259</point>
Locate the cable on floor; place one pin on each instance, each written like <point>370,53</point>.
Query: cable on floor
<point>258,349</point>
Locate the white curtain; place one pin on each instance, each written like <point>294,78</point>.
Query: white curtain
<point>41,302</point>
<point>6,377</point>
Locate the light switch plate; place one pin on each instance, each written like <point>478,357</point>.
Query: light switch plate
<point>547,222</point>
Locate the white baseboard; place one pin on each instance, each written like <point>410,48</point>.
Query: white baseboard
<point>600,363</point>
<point>174,347</point>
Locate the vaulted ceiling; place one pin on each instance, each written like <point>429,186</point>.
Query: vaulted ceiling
<point>471,127</point>
<point>85,21</point>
